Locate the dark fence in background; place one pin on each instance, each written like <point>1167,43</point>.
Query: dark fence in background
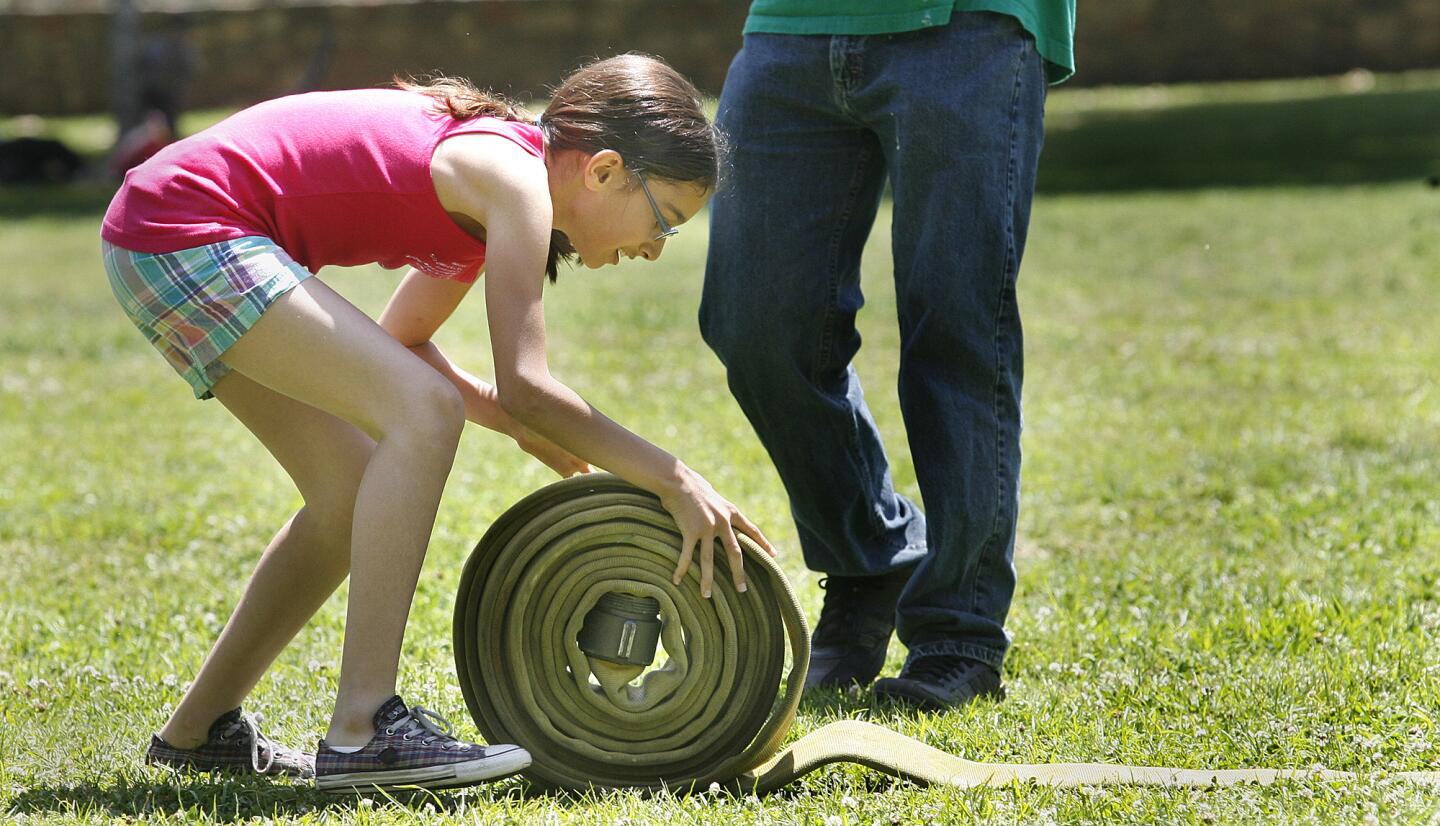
<point>59,63</point>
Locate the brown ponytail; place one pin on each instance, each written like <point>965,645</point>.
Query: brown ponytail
<point>462,100</point>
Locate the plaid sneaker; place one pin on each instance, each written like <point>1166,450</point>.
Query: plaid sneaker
<point>234,743</point>
<point>412,748</point>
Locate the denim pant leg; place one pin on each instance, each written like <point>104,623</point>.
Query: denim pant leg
<point>782,287</point>
<point>959,111</point>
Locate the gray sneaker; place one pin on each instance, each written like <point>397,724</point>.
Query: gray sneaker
<point>413,748</point>
<point>233,744</point>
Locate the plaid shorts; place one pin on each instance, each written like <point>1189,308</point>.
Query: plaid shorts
<point>193,304</point>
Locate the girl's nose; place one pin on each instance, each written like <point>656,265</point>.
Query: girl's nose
<point>651,249</point>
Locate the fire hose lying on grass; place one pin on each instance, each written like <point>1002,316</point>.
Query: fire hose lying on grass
<point>560,611</point>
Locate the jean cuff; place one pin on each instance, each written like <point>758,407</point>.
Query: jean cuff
<point>980,653</point>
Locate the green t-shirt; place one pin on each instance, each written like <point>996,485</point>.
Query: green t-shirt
<point>1052,22</point>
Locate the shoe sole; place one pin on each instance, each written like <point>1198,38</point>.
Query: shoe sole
<point>820,676</point>
<point>901,692</point>
<point>189,767</point>
<point>448,776</point>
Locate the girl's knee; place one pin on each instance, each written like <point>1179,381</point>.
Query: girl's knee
<point>440,412</point>
<point>430,411</point>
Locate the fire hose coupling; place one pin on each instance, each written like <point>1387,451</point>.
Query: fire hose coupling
<point>622,628</point>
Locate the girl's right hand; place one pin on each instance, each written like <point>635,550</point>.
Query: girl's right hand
<point>704,516</point>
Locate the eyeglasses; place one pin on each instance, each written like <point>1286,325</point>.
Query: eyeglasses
<point>665,229</point>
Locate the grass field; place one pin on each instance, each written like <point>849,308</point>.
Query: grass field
<point>1230,531</point>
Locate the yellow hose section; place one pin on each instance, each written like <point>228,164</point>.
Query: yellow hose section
<point>711,713</point>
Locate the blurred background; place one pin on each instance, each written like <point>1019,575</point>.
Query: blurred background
<point>138,66</point>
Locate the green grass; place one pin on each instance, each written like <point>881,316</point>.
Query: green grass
<point>1229,542</point>
<point>1358,128</point>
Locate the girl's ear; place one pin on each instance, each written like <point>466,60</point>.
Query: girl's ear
<point>604,169</point>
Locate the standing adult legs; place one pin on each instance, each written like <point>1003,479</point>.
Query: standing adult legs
<point>782,288</point>
<point>962,147</point>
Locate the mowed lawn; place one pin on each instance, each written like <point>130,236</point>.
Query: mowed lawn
<point>1230,530</point>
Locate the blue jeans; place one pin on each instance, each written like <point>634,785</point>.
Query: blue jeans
<point>953,116</point>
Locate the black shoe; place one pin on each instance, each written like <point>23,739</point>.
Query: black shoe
<point>941,681</point>
<point>848,646</point>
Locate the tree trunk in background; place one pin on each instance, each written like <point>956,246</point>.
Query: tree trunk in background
<point>124,55</point>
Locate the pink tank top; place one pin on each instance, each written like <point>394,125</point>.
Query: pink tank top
<point>337,178</point>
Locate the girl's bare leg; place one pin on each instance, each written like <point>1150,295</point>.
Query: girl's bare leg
<point>308,558</point>
<point>315,347</point>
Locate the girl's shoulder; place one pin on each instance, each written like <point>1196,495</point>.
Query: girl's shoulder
<point>489,162</point>
<point>490,146</point>
<point>523,134</point>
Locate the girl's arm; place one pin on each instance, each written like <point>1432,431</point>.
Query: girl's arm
<point>509,195</point>
<point>416,310</point>
<point>413,314</point>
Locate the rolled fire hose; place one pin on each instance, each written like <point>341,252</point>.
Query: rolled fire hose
<point>562,607</point>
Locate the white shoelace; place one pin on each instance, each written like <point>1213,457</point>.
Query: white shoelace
<point>423,719</point>
<point>250,723</point>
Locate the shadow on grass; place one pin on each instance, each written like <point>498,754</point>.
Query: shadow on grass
<point>228,799</point>
<point>836,703</point>
<point>224,799</point>
<point>1328,140</point>
<point>855,703</point>
<point>239,798</point>
<point>243,799</point>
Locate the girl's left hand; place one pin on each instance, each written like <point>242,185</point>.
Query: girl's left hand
<point>556,457</point>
